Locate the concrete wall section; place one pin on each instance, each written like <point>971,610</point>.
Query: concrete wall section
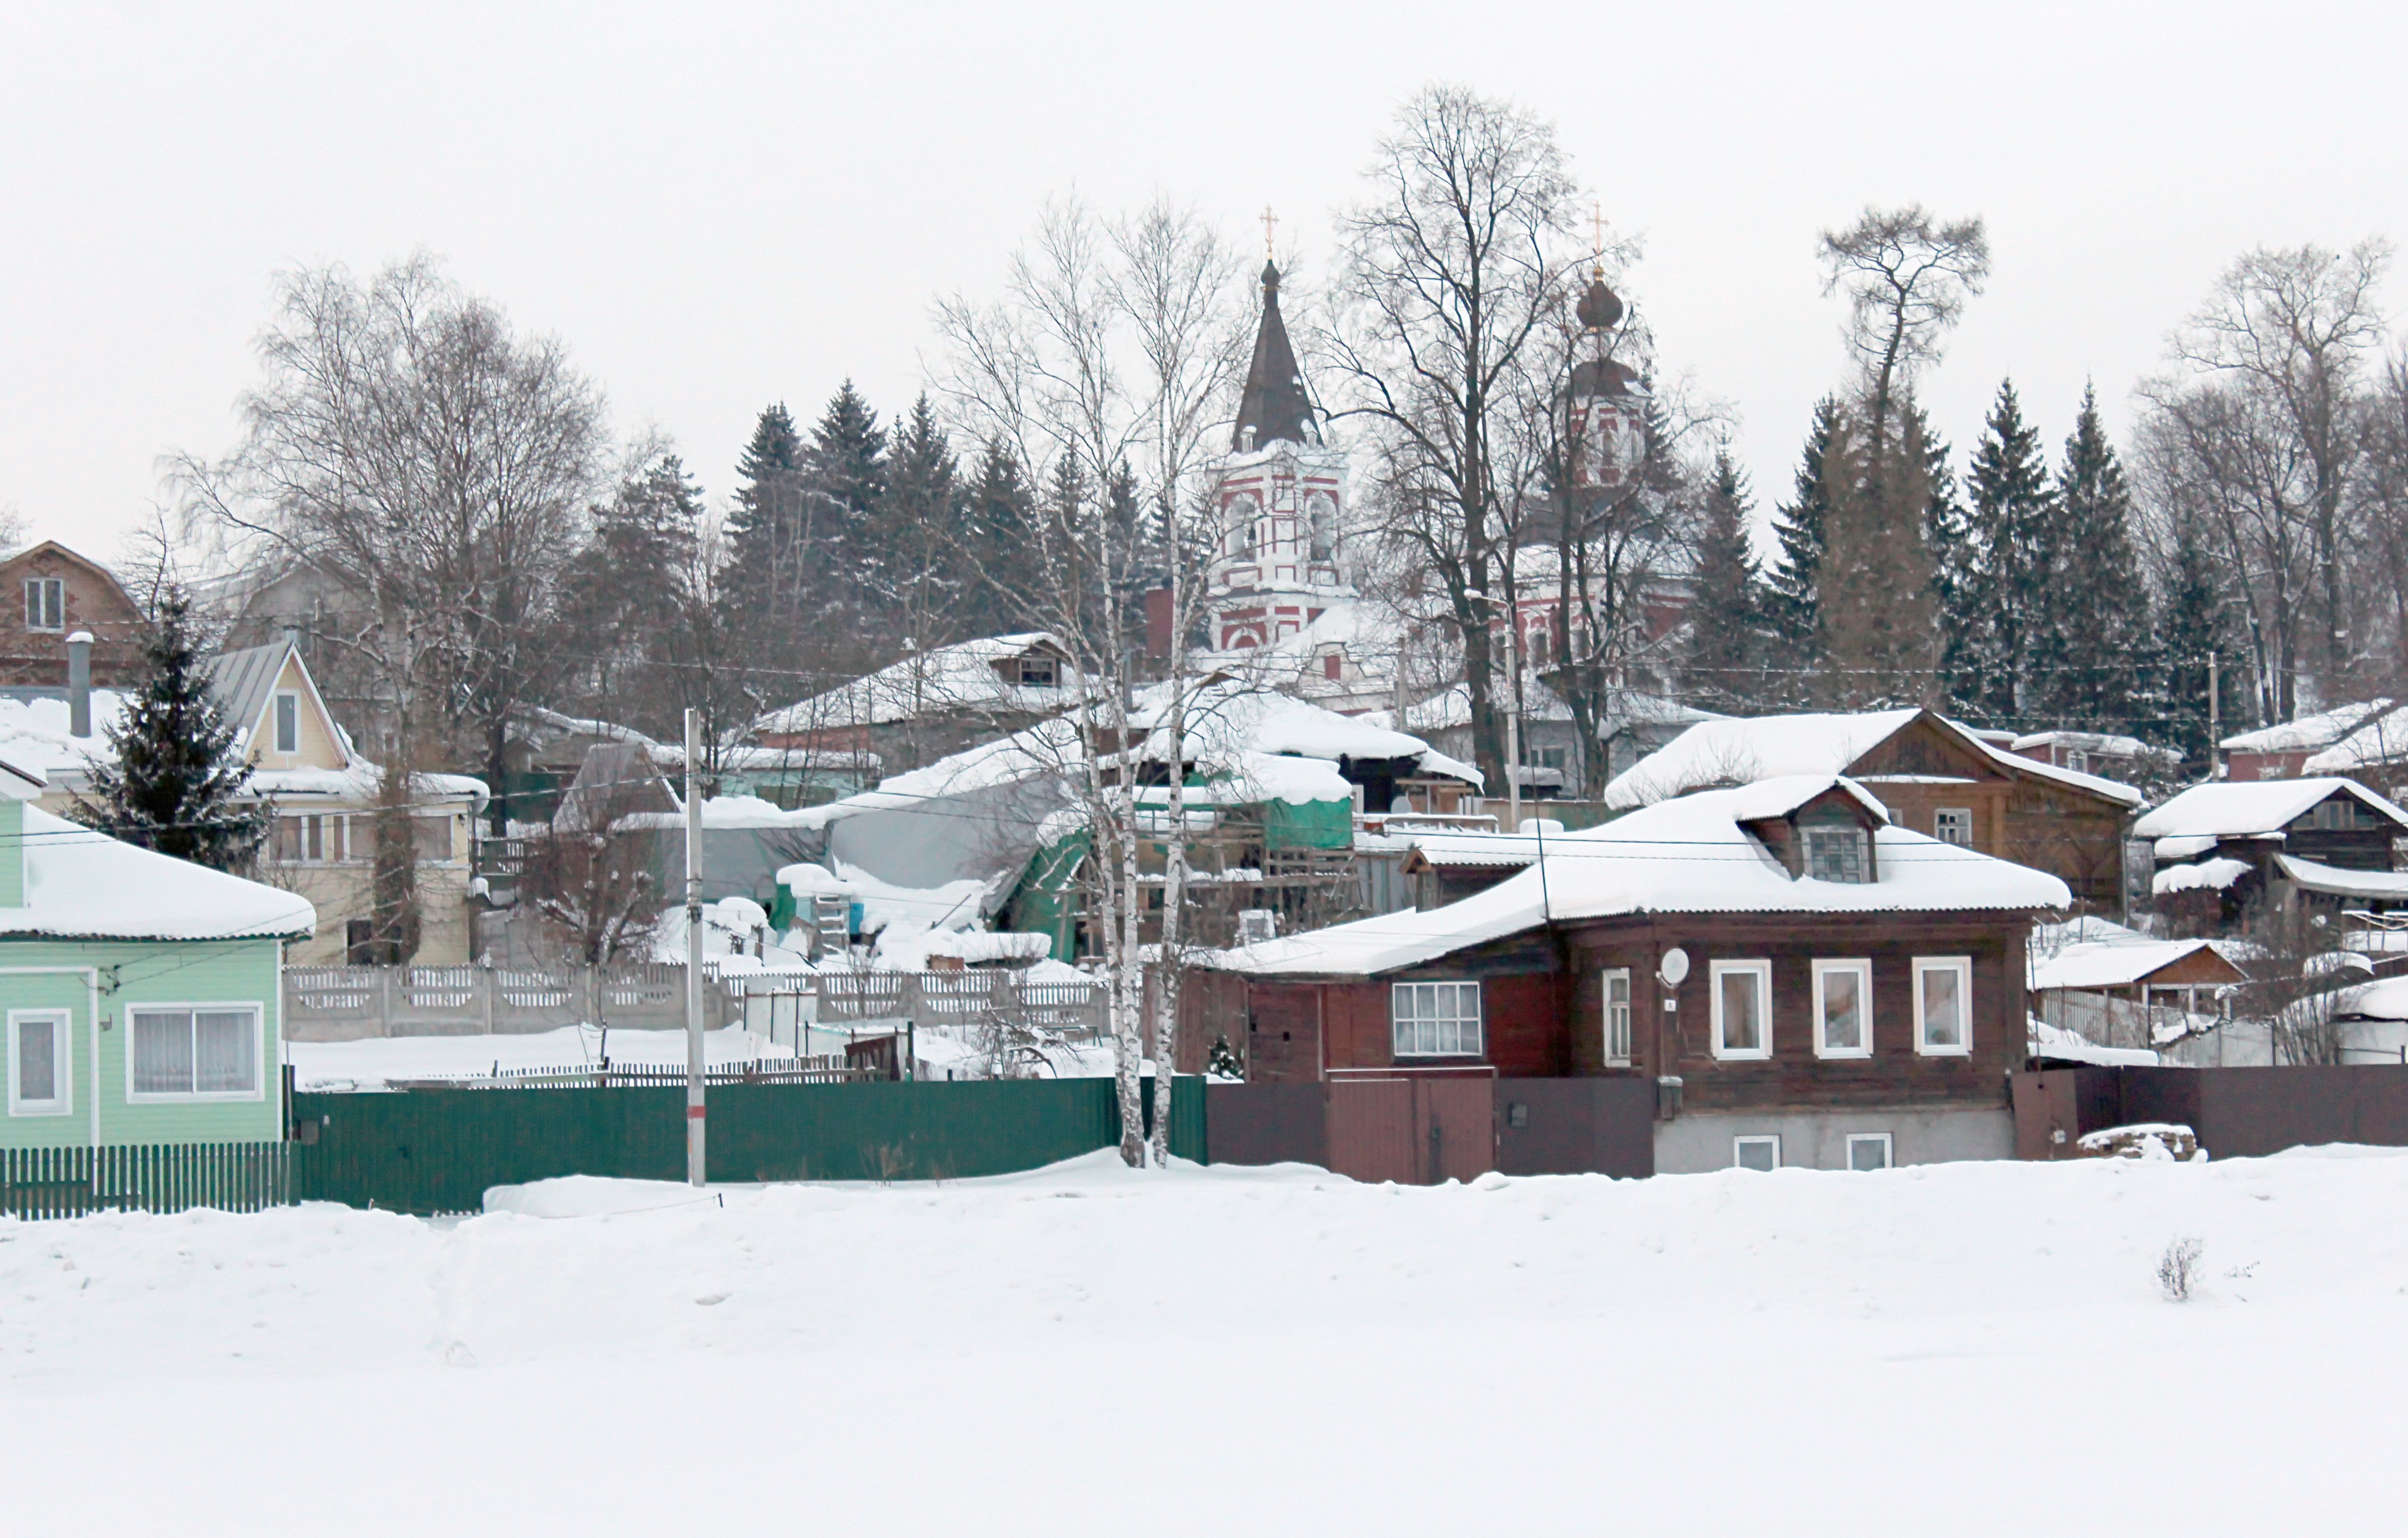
<point>1818,1140</point>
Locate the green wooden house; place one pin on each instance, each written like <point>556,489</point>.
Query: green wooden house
<point>140,992</point>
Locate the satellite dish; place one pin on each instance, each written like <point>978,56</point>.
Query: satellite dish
<point>1674,968</point>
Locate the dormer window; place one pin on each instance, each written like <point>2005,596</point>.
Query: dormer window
<point>1837,854</point>
<point>1038,673</point>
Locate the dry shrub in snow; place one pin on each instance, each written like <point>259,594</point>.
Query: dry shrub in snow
<point>2178,1270</point>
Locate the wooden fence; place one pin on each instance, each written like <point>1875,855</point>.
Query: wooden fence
<point>157,1177</point>
<point>826,1069</point>
<point>348,1002</point>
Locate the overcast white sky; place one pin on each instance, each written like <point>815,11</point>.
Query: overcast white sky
<point>719,205</point>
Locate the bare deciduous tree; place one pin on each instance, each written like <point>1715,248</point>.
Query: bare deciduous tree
<point>1906,278</point>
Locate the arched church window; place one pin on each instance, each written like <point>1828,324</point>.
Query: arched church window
<point>1321,510</point>
<point>1242,515</point>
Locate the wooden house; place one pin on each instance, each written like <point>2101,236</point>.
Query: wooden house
<point>141,994</point>
<point>2221,849</point>
<point>932,703</point>
<point>2282,751</point>
<point>1930,774</point>
<point>1803,980</point>
<point>55,593</point>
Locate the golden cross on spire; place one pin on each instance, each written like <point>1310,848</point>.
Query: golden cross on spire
<point>1270,227</point>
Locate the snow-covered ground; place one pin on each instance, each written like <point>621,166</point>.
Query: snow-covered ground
<point>1977,1348</point>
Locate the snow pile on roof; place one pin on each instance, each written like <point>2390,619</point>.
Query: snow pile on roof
<point>2250,809</point>
<point>2113,963</point>
<point>915,923</point>
<point>359,783</point>
<point>1728,752</point>
<point>1688,855</point>
<point>962,676</point>
<point>2334,881</point>
<point>35,733</point>
<point>2049,1041</point>
<point>2048,939</point>
<point>84,885</point>
<point>2381,739</point>
<point>1225,721</point>
<point>2106,745</point>
<point>2308,733</point>
<point>728,812</point>
<point>1050,748</point>
<point>2207,876</point>
<point>2387,1000</point>
<point>21,780</point>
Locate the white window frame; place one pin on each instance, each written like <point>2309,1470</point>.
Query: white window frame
<point>1888,1149</point>
<point>259,1065</point>
<point>61,1024</point>
<point>285,712</point>
<point>1963,815</point>
<point>38,611</point>
<point>1761,970</point>
<point>1770,1140</point>
<point>1398,992</point>
<point>1862,969</point>
<point>1613,1014</point>
<point>1963,968</point>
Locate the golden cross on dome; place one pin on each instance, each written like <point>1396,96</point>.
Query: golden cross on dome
<point>1270,226</point>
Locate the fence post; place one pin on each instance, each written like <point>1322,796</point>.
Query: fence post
<point>484,976</point>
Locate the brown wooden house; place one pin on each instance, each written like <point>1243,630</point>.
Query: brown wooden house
<point>2220,849</point>
<point>1848,993</point>
<point>1933,775</point>
<point>52,594</point>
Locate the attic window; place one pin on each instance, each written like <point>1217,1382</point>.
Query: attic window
<point>2341,814</point>
<point>45,603</point>
<point>1037,673</point>
<point>288,723</point>
<point>1835,854</point>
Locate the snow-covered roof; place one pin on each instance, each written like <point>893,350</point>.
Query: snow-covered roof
<point>2116,964</point>
<point>2381,739</point>
<point>2049,1041</point>
<point>2321,730</point>
<point>1469,851</point>
<point>2207,876</point>
<point>1223,720</point>
<point>21,780</point>
<point>86,885</point>
<point>2383,1000</point>
<point>1686,855</point>
<point>1733,751</point>
<point>961,677</point>
<point>2105,744</point>
<point>1049,748</point>
<point>2250,809</point>
<point>2333,881</point>
<point>359,784</point>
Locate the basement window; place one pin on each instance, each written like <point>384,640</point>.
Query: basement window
<point>1869,1151</point>
<point>1435,1019</point>
<point>38,1062</point>
<point>1757,1153</point>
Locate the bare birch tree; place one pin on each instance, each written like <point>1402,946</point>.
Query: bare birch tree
<point>1105,362</point>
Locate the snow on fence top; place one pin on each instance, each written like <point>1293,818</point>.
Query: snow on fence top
<point>86,885</point>
<point>1688,855</point>
<point>2251,808</point>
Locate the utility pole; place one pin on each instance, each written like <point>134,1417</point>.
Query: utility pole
<point>693,1117</point>
<point>1514,716</point>
<point>2214,728</point>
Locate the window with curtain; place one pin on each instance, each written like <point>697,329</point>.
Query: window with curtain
<point>1944,1005</point>
<point>1742,1008</point>
<point>1435,1019</point>
<point>198,1051</point>
<point>1844,1015</point>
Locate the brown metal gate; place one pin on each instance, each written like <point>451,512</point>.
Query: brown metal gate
<point>1415,1131</point>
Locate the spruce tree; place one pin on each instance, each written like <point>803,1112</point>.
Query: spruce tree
<point>846,468</point>
<point>2196,624</point>
<point>1994,635</point>
<point>1722,657</point>
<point>176,779</point>
<point>625,598</point>
<point>1000,514</point>
<point>1875,590</point>
<point>1793,589</point>
<point>2093,629</point>
<point>920,534</point>
<point>762,575</point>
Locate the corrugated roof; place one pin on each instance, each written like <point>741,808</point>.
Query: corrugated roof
<point>242,679</point>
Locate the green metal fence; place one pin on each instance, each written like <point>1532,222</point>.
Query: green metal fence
<point>155,1177</point>
<point>438,1151</point>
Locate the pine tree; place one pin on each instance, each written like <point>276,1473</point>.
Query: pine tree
<point>1723,659</point>
<point>1794,586</point>
<point>2093,628</point>
<point>1993,634</point>
<point>178,780</point>
<point>2197,623</point>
